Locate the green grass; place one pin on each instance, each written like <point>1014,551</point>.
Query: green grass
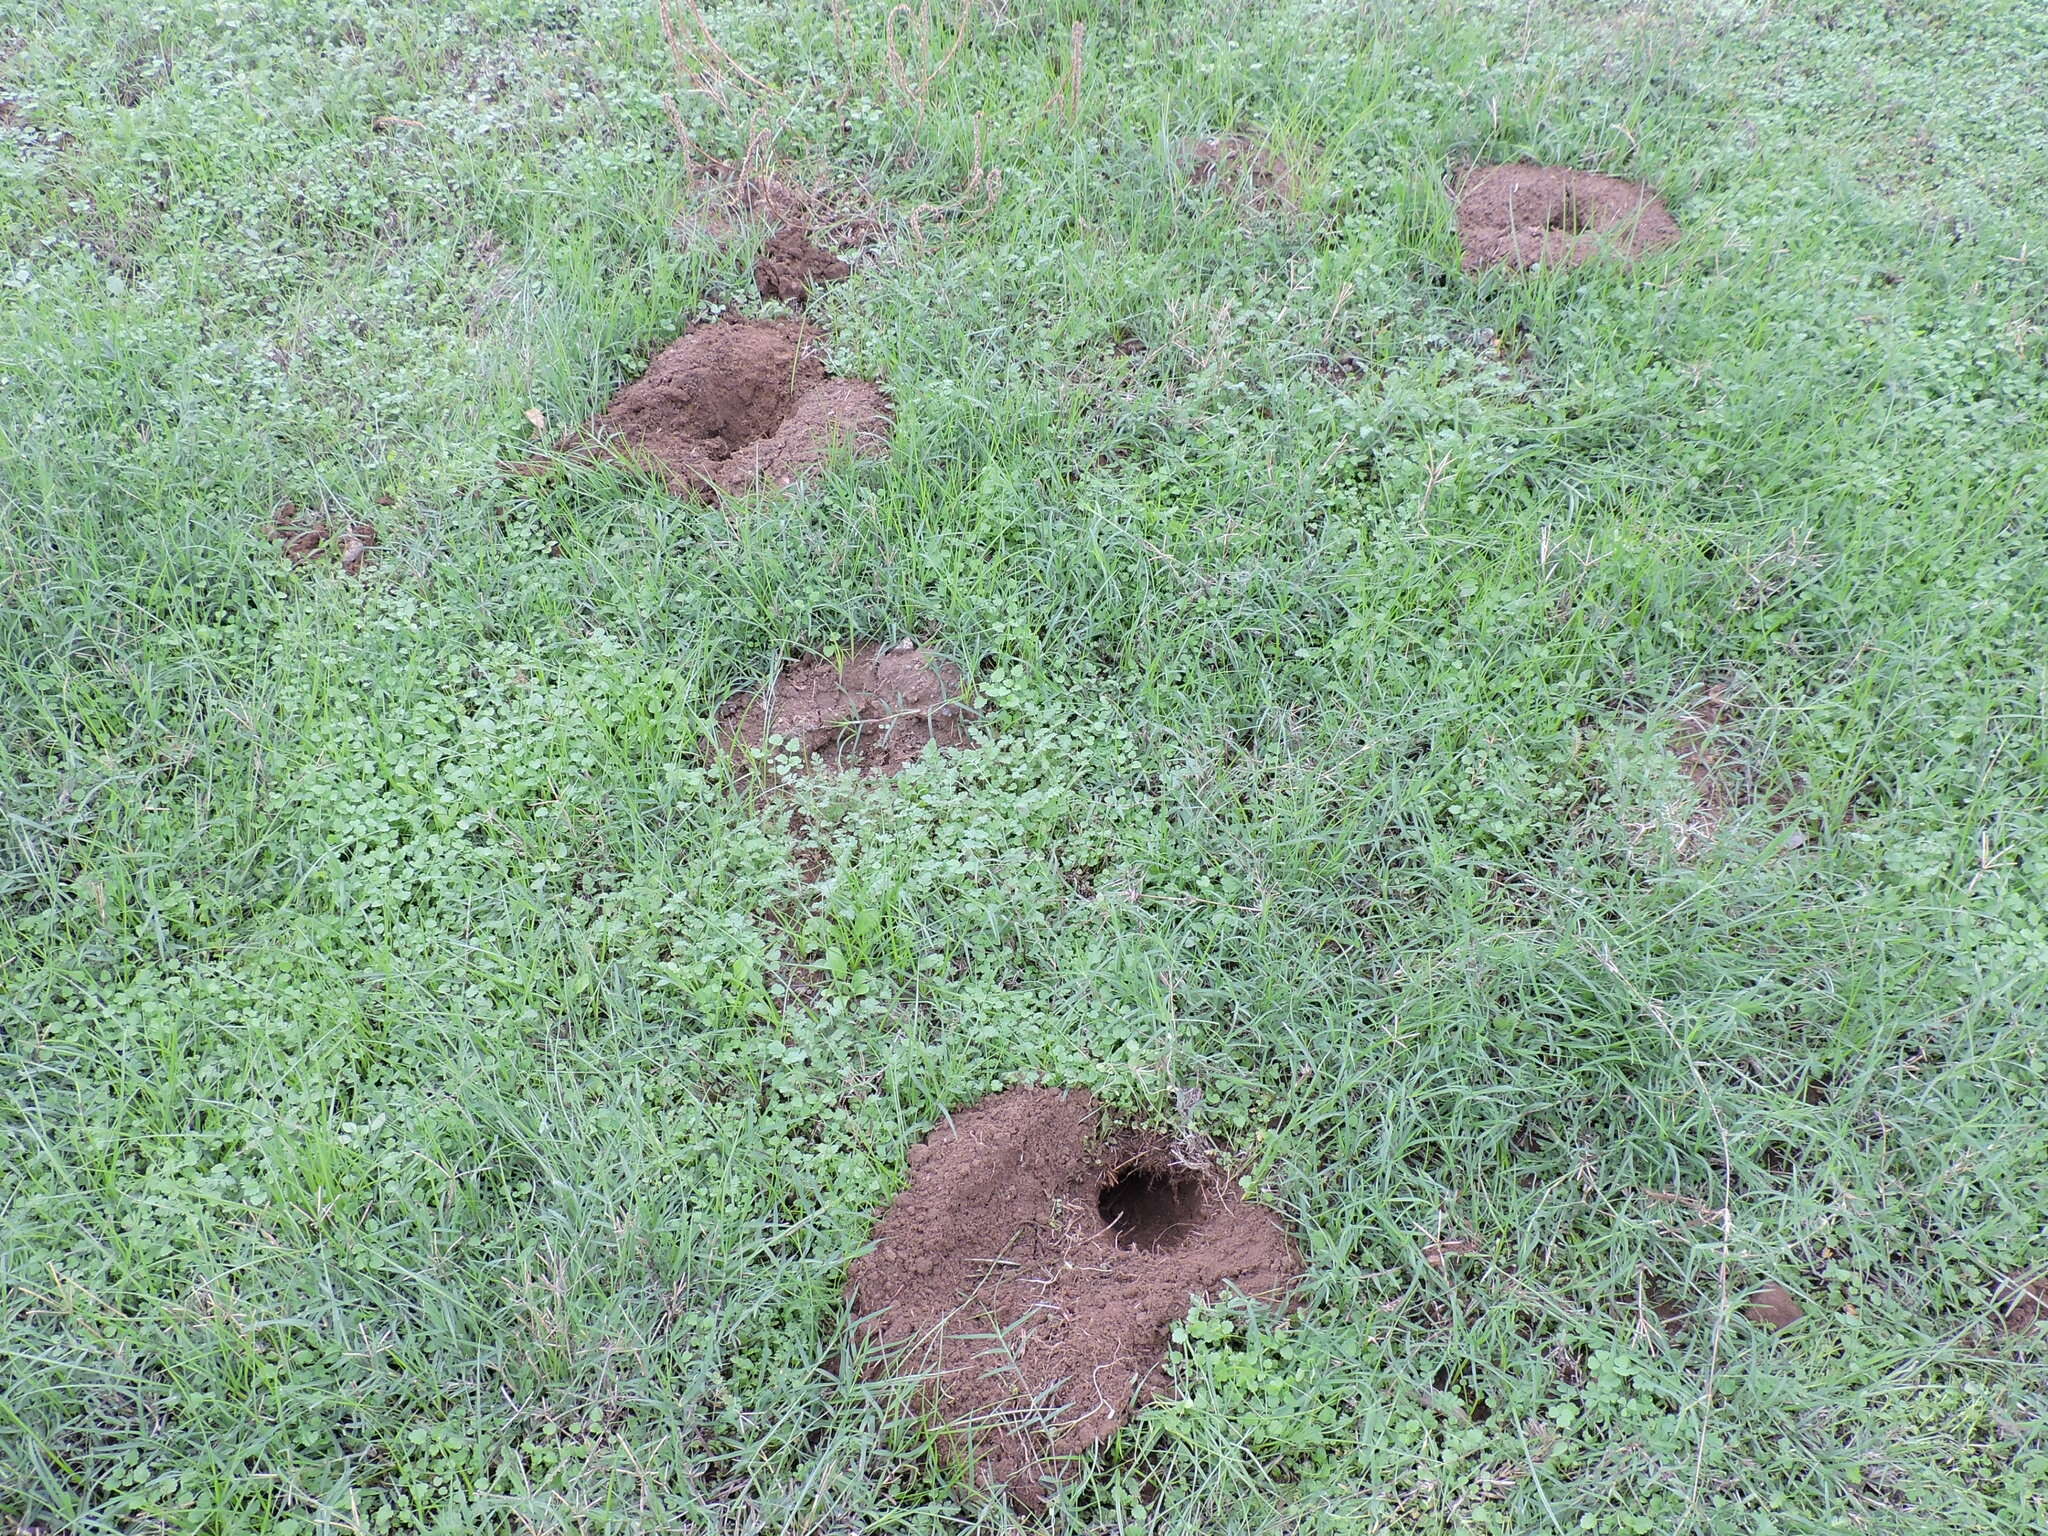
<point>409,1123</point>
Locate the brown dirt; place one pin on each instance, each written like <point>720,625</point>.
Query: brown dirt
<point>873,713</point>
<point>737,404</point>
<point>732,196</point>
<point>1034,1269</point>
<point>1710,755</point>
<point>1719,752</point>
<point>2022,1302</point>
<point>306,534</point>
<point>733,199</point>
<point>1516,216</point>
<point>790,266</point>
<point>1772,1306</point>
<point>1242,166</point>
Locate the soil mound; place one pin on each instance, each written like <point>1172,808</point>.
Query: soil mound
<point>740,403</point>
<point>1772,1306</point>
<point>1035,1266</point>
<point>1516,216</point>
<point>1242,166</point>
<point>307,533</point>
<point>790,266</point>
<point>874,712</point>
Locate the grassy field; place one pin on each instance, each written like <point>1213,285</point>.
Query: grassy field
<point>1552,768</point>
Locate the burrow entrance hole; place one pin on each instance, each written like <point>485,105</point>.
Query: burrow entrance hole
<point>1151,1208</point>
<point>1569,215</point>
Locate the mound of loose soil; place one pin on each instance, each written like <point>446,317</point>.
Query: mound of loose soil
<point>874,712</point>
<point>740,403</point>
<point>1033,1270</point>
<point>790,266</point>
<point>1515,216</point>
<point>1242,166</point>
<point>306,534</point>
<point>1772,1306</point>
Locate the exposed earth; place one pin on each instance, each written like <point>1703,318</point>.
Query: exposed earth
<point>874,712</point>
<point>1519,216</point>
<point>1036,1265</point>
<point>791,266</point>
<point>1772,1306</point>
<point>1241,165</point>
<point>737,404</point>
<point>308,533</point>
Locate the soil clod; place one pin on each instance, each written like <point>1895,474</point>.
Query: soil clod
<point>790,266</point>
<point>873,712</point>
<point>1035,1266</point>
<point>308,533</point>
<point>739,403</point>
<point>1519,216</point>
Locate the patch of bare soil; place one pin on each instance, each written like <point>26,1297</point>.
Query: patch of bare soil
<point>790,266</point>
<point>1719,753</point>
<point>1518,216</point>
<point>2022,1302</point>
<point>738,404</point>
<point>873,712</point>
<point>1242,167</point>
<point>309,533</point>
<point>734,198</point>
<point>1035,1266</point>
<point>1706,750</point>
<point>1772,1306</point>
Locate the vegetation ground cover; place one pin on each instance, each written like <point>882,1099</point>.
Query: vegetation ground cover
<point>1550,766</point>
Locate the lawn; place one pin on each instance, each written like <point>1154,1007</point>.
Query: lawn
<point>1548,769</point>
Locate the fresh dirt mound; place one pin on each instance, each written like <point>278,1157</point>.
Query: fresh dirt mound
<point>1772,1306</point>
<point>874,712</point>
<point>308,533</point>
<point>790,266</point>
<point>1034,1268</point>
<point>1242,166</point>
<point>1516,216</point>
<point>740,403</point>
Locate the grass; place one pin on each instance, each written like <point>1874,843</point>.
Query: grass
<point>412,1121</point>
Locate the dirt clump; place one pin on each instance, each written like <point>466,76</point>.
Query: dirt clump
<point>1033,1270</point>
<point>2022,1302</point>
<point>1772,1306</point>
<point>308,533</point>
<point>790,266</point>
<point>737,404</point>
<point>874,711</point>
<point>1242,166</point>
<point>1518,216</point>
